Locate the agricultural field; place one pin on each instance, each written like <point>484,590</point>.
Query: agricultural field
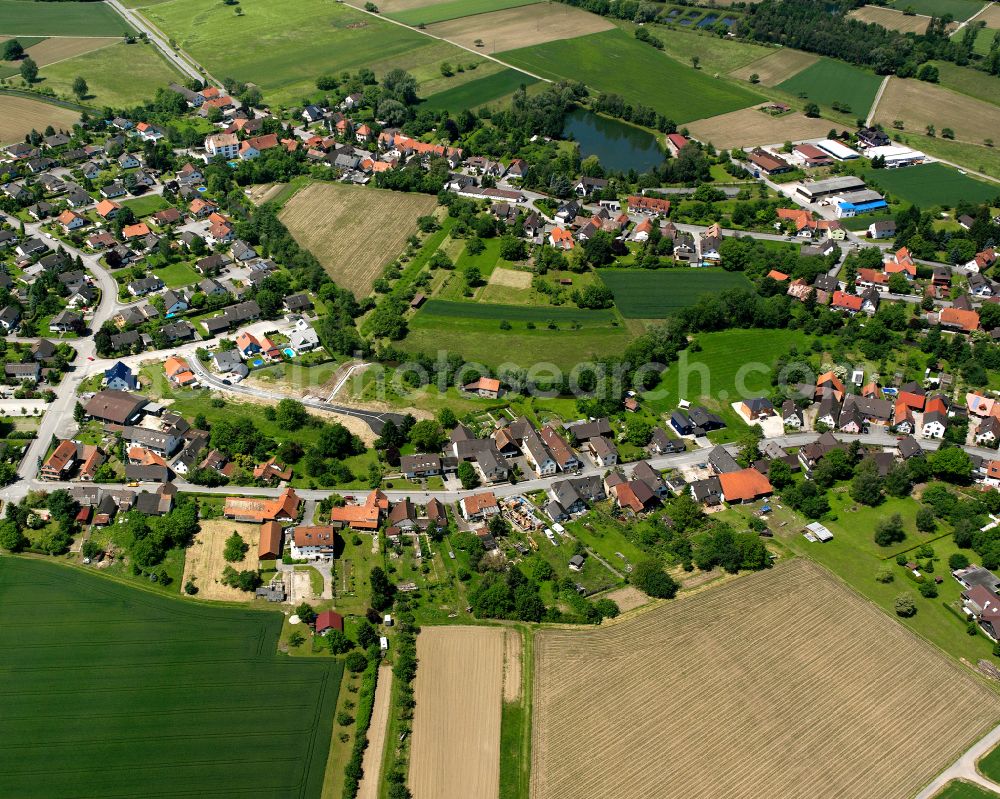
<point>354,232</point>
<point>928,185</point>
<point>828,81</point>
<point>959,10</point>
<point>58,48</point>
<point>777,67</point>
<point>118,75</point>
<point>615,62</point>
<point>984,41</point>
<point>428,14</point>
<point>750,127</point>
<point>29,18</point>
<point>479,91</point>
<point>660,293</point>
<point>19,115</point>
<point>717,55</point>
<point>294,43</point>
<point>456,727</point>
<point>725,694</point>
<point>964,790</point>
<point>731,364</point>
<point>969,81</point>
<point>473,331</point>
<point>169,697</point>
<point>204,563</point>
<point>989,764</point>
<point>892,19</point>
<point>918,104</point>
<point>505,30</point>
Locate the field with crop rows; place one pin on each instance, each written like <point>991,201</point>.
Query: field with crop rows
<point>779,66</point>
<point>918,104</point>
<point>517,27</point>
<point>453,9</point>
<point>927,185</point>
<point>615,62</point>
<point>960,10</point>
<point>19,115</point>
<point>456,726</point>
<point>730,693</point>
<point>29,18</point>
<point>354,232</point>
<point>479,91</point>
<point>828,81</point>
<point>892,19</point>
<point>750,127</point>
<point>660,293</point>
<point>109,690</point>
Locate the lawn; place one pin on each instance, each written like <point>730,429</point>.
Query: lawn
<point>660,293</point>
<point>146,205</point>
<point>453,9</point>
<point>169,697</point>
<point>716,55</point>
<point>989,764</point>
<point>472,330</point>
<point>730,365</point>
<point>293,43</point>
<point>928,185</point>
<point>828,81</point>
<point>120,75</point>
<point>964,790</point>
<point>60,19</point>
<point>176,275</point>
<point>615,62</point>
<point>478,92</point>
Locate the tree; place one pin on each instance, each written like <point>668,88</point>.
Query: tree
<point>12,50</point>
<point>467,475</point>
<point>648,576</point>
<point>79,414</point>
<point>904,605</point>
<point>427,436</point>
<point>951,464</point>
<point>929,73</point>
<point>890,531</point>
<point>779,474</point>
<point>866,487</point>
<point>338,642</point>
<point>638,431</point>
<point>925,520</point>
<point>382,590</point>
<point>29,70</point>
<point>235,548</point>
<point>291,414</point>
<point>754,78</point>
<point>898,284</point>
<point>811,110</point>
<point>11,537</point>
<point>884,574</point>
<point>367,635</point>
<point>306,613</point>
<point>80,88</point>
<point>498,526</point>
<point>958,560</point>
<point>695,61</point>
<point>356,662</point>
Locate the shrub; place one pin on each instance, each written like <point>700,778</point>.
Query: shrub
<point>958,561</point>
<point>905,606</point>
<point>884,574</point>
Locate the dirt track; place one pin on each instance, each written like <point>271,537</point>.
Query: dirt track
<point>371,765</point>
<point>456,730</point>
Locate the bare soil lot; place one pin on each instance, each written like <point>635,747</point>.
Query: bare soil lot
<point>204,562</point>
<point>750,127</point>
<point>735,692</point>
<point>512,666</point>
<point>456,729</point>
<point>628,598</point>
<point>991,16</point>
<point>510,278</point>
<point>892,19</point>
<point>919,104</point>
<point>520,27</point>
<point>777,67</point>
<point>18,115</point>
<point>354,231</point>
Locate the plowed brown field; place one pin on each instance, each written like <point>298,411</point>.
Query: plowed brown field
<point>779,684</point>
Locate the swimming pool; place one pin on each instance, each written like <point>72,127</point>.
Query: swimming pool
<point>289,352</point>
<point>257,362</point>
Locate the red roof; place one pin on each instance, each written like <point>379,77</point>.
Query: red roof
<point>744,485</point>
<point>774,274</point>
<point>955,317</point>
<point>329,620</point>
<point>849,302</point>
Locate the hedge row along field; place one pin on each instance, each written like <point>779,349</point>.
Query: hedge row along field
<point>514,313</point>
<point>110,691</point>
<point>661,293</point>
<point>780,684</point>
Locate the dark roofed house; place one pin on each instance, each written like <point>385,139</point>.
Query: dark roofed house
<point>116,407</point>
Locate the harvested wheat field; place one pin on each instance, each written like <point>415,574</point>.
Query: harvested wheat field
<point>354,231</point>
<point>510,278</point>
<point>991,16</point>
<point>779,684</point>
<point>892,19</point>
<point>512,672</point>
<point>750,127</point>
<point>918,104</point>
<point>777,67</point>
<point>263,192</point>
<point>204,562</point>
<point>19,115</point>
<point>456,727</point>
<point>627,598</point>
<point>518,27</point>
<point>61,48</point>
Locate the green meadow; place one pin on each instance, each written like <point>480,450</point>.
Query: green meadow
<point>30,18</point>
<point>828,81</point>
<point>109,690</point>
<point>928,185</point>
<point>614,62</point>
<point>453,9</point>
<point>479,91</point>
<point>660,293</point>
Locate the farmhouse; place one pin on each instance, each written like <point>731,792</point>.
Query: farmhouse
<point>249,509</point>
<point>313,543</point>
<point>329,620</point>
<point>366,516</point>
<point>745,485</point>
<point>768,163</point>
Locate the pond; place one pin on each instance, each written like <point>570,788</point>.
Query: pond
<point>620,147</point>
